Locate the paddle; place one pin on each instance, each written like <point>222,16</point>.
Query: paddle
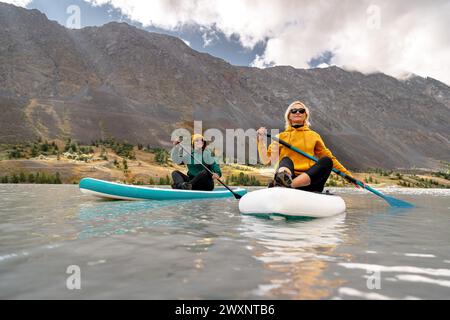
<point>237,196</point>
<point>392,201</point>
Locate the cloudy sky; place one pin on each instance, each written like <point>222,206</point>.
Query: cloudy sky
<point>395,37</point>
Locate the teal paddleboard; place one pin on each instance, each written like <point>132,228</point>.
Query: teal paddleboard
<point>119,191</point>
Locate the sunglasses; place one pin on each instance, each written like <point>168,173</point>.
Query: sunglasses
<point>295,111</point>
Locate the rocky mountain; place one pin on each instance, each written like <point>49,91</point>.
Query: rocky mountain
<point>123,82</point>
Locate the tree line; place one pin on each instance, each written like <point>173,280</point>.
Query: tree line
<point>37,178</point>
<point>242,180</point>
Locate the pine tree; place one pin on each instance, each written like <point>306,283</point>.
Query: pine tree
<point>73,148</point>
<point>57,178</point>
<point>42,178</point>
<point>14,178</point>
<point>44,147</point>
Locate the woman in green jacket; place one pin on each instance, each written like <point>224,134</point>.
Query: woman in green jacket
<point>197,177</point>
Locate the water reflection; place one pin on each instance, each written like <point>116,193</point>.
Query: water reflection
<point>101,209</point>
<point>101,218</point>
<point>207,250</point>
<point>299,250</point>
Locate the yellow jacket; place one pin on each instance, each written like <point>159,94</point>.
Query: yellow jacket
<point>308,141</point>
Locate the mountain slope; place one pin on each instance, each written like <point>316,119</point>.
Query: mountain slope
<point>120,81</point>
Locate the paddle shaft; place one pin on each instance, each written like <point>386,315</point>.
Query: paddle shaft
<point>392,201</point>
<point>237,196</point>
<point>284,143</point>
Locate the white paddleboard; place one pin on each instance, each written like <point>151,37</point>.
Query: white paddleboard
<point>291,203</point>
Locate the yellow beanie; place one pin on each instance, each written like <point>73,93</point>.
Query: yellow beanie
<point>197,136</point>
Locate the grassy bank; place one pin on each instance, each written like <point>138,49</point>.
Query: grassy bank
<point>68,161</point>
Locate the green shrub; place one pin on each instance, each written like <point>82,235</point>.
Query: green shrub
<point>243,180</point>
<point>39,178</point>
<point>161,155</point>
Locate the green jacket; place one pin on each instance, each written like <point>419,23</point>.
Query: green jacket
<point>194,166</point>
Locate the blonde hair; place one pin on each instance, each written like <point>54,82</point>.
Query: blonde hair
<point>288,111</point>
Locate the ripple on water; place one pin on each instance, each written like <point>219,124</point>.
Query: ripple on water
<point>204,249</point>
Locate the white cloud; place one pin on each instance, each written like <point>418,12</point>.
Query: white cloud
<point>19,3</point>
<point>261,63</point>
<point>206,40</point>
<point>209,36</point>
<point>251,20</point>
<point>394,37</point>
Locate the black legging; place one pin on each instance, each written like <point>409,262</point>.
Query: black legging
<point>318,173</point>
<point>202,181</point>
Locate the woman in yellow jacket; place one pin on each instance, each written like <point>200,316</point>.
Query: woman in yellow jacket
<point>295,170</point>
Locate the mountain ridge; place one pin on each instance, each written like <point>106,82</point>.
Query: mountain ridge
<point>118,80</point>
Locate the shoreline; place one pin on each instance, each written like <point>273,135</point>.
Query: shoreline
<point>346,188</point>
<point>144,171</point>
<point>67,162</point>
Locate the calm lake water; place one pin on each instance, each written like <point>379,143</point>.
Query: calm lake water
<point>207,250</point>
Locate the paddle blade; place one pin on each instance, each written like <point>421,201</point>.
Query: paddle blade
<point>398,203</point>
<point>393,202</point>
<point>237,196</point>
